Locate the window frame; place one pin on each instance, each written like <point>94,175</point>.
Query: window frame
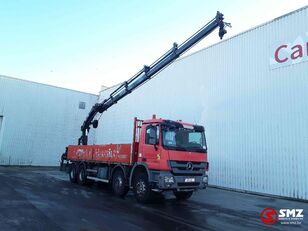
<point>156,132</point>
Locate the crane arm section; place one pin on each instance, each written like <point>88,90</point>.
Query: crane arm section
<point>148,72</point>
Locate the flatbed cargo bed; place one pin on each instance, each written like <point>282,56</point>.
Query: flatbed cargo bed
<point>109,153</point>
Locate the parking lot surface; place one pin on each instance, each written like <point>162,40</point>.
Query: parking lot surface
<point>44,199</point>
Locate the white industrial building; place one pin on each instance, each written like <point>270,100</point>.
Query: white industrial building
<point>250,93</point>
<point>38,121</point>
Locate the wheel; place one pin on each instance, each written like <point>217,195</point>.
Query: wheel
<point>82,175</point>
<point>183,195</point>
<point>142,189</point>
<point>62,165</point>
<point>73,173</point>
<point>119,186</point>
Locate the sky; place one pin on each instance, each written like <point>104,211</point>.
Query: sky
<point>83,45</point>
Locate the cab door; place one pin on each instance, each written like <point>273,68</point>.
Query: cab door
<point>151,147</point>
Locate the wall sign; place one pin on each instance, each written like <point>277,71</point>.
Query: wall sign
<point>289,52</point>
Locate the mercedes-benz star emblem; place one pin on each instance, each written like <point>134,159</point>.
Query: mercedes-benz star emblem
<point>189,166</point>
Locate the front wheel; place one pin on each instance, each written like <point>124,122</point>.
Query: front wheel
<point>182,195</point>
<point>142,189</point>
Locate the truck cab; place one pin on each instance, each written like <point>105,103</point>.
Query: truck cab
<point>174,154</point>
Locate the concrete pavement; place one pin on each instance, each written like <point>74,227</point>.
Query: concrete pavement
<point>44,199</point>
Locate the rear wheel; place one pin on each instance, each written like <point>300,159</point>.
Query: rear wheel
<point>73,173</point>
<point>62,165</point>
<point>142,189</point>
<point>119,186</point>
<point>82,175</point>
<point>183,195</point>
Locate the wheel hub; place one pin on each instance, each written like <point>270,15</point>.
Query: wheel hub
<point>72,174</point>
<point>140,187</point>
<point>119,182</point>
<point>80,176</point>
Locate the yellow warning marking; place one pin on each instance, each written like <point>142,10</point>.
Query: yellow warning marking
<point>158,156</point>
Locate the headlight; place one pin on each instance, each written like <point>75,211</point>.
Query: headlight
<point>169,179</point>
<point>204,179</point>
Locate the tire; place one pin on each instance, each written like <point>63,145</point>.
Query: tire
<point>73,173</point>
<point>63,166</point>
<point>119,185</point>
<point>82,175</point>
<point>142,188</point>
<point>182,195</point>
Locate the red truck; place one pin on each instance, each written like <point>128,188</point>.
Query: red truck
<point>164,154</point>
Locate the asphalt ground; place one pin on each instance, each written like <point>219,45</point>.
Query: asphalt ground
<point>43,199</point>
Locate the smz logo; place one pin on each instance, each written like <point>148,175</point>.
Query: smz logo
<point>291,216</point>
<point>291,213</point>
<point>269,216</point>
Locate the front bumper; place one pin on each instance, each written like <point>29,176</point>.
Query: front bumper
<point>161,180</point>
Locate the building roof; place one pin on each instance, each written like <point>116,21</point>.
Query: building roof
<point>246,31</point>
<point>48,85</point>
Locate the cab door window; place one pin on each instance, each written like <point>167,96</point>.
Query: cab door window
<point>152,135</point>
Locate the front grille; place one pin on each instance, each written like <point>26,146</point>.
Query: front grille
<point>183,168</point>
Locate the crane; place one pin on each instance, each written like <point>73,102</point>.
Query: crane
<point>147,72</point>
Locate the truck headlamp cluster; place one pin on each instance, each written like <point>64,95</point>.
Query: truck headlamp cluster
<point>169,179</point>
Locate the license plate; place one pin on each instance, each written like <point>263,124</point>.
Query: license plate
<point>189,179</point>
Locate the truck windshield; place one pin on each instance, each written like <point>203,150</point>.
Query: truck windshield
<point>184,139</point>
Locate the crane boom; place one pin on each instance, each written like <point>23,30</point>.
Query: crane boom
<point>148,72</point>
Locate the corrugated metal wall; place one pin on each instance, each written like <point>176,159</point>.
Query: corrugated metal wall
<point>38,121</point>
<point>256,117</point>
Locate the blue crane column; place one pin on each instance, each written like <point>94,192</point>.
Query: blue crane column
<point>148,72</point>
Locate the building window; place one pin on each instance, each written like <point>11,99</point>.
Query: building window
<point>82,105</point>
